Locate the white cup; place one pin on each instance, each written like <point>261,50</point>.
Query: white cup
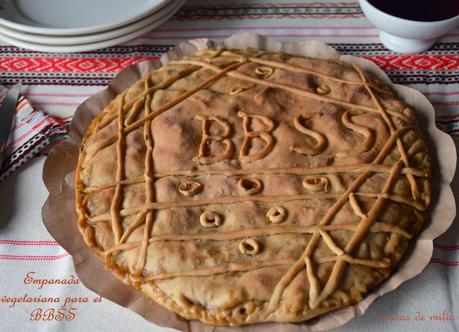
<point>406,36</point>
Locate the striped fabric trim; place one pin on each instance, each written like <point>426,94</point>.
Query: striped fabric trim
<point>449,127</point>
<point>137,50</point>
<point>65,64</point>
<point>379,49</point>
<point>158,49</point>
<point>444,262</point>
<point>269,11</point>
<point>84,79</point>
<point>144,51</point>
<point>32,68</point>
<point>34,257</point>
<point>116,59</point>
<point>446,247</point>
<point>79,80</point>
<point>29,242</point>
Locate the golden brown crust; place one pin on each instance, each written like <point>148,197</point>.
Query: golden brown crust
<point>239,186</point>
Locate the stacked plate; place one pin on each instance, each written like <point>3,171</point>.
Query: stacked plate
<point>80,25</point>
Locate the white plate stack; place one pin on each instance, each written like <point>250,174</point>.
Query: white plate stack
<point>80,25</point>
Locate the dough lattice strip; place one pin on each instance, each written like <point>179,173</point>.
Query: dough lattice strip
<point>181,98</point>
<point>273,84</point>
<point>346,169</point>
<point>140,218</point>
<point>297,69</point>
<point>289,88</point>
<point>93,189</point>
<point>272,230</point>
<point>387,119</point>
<point>364,225</point>
<point>110,117</point>
<point>367,219</point>
<point>314,284</point>
<point>240,199</point>
<point>255,265</point>
<point>149,183</point>
<point>330,243</point>
<point>117,197</point>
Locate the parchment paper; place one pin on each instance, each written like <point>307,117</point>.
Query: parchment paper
<point>60,218</point>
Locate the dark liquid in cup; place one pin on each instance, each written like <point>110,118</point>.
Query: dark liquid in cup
<point>419,10</point>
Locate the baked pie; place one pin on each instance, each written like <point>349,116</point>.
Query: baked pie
<point>241,186</point>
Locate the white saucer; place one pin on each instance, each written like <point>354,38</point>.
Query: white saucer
<point>70,17</point>
<point>93,46</point>
<point>90,38</point>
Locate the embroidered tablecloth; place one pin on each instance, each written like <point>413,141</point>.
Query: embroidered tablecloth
<point>37,275</point>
